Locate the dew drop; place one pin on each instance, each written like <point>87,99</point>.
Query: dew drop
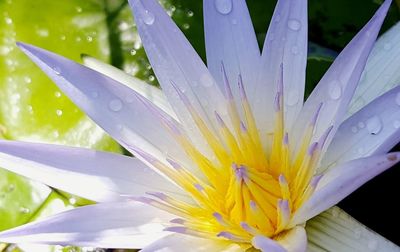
<point>89,39</point>
<point>10,188</point>
<point>59,112</point>
<point>8,20</point>
<point>293,98</point>
<point>234,21</point>
<point>361,125</point>
<point>115,105</point>
<point>294,24</point>
<point>148,17</point>
<point>360,150</point>
<point>72,201</point>
<point>57,70</point>
<point>190,13</point>
<point>27,79</point>
<point>374,125</point>
<point>24,210</point>
<point>206,80</point>
<point>151,78</point>
<point>95,94</point>
<point>133,52</point>
<point>396,124</point>
<point>335,90</point>
<point>387,46</point>
<point>223,6</point>
<point>398,99</point>
<point>186,26</point>
<point>295,50</point>
<point>57,94</point>
<point>354,129</point>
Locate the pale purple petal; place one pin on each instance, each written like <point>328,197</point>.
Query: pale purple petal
<point>175,61</point>
<point>375,129</point>
<point>266,244</point>
<point>381,72</point>
<point>180,242</point>
<point>342,180</point>
<point>336,88</point>
<point>285,44</point>
<point>108,225</point>
<point>119,110</point>
<point>95,175</point>
<point>335,230</point>
<point>231,40</point>
<point>150,92</point>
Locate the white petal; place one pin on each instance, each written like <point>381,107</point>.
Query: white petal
<point>337,87</point>
<point>108,225</point>
<point>374,129</point>
<point>266,244</point>
<point>148,91</point>
<point>286,44</point>
<point>335,230</point>
<point>95,175</point>
<point>178,242</point>
<point>381,72</point>
<point>119,110</point>
<point>174,60</point>
<point>342,180</point>
<point>230,38</point>
<point>294,239</point>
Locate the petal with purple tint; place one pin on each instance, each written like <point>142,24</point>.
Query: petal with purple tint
<point>335,230</point>
<point>265,244</point>
<point>175,61</point>
<point>94,175</point>
<point>107,225</point>
<point>293,240</point>
<point>374,129</point>
<point>342,180</point>
<point>381,72</point>
<point>180,242</point>
<point>119,110</point>
<point>337,87</point>
<point>148,91</point>
<point>285,44</point>
<point>231,40</point>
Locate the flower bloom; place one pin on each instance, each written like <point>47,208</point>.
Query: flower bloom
<point>228,157</point>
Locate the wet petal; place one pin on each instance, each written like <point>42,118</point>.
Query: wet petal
<point>107,225</point>
<point>95,175</point>
<point>336,88</point>
<point>231,40</point>
<point>176,62</point>
<point>148,91</point>
<point>286,44</point>
<point>119,110</point>
<point>375,129</point>
<point>177,242</point>
<point>381,72</point>
<point>335,230</point>
<point>342,180</point>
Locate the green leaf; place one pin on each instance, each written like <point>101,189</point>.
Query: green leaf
<point>31,106</point>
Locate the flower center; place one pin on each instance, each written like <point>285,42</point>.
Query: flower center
<point>256,183</point>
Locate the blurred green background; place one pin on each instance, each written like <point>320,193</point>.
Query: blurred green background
<point>33,109</point>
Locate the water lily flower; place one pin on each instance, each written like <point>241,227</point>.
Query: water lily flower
<point>228,156</point>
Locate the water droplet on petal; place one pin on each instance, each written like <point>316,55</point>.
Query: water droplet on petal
<point>361,125</point>
<point>294,24</point>
<point>295,50</point>
<point>398,99</point>
<point>292,98</point>
<point>374,125</point>
<point>57,70</point>
<point>223,6</point>
<point>148,17</point>
<point>354,129</point>
<point>95,94</point>
<point>387,46</point>
<point>133,52</point>
<point>396,124</point>
<point>24,210</point>
<point>335,90</point>
<point>59,112</point>
<point>115,105</point>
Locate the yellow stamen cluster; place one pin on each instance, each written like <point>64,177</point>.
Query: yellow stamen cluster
<point>248,190</point>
